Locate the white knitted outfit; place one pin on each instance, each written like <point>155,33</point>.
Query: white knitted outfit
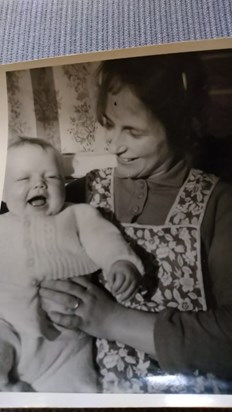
<point>75,242</point>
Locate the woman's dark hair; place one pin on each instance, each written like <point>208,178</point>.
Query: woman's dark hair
<point>172,87</point>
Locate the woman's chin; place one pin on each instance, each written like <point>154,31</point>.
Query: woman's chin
<point>127,170</point>
<point>130,171</point>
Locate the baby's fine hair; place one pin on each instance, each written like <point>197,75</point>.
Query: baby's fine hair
<point>43,144</point>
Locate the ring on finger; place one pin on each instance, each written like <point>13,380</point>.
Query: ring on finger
<point>76,305</point>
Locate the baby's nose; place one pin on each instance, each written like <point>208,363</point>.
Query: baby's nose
<point>40,185</point>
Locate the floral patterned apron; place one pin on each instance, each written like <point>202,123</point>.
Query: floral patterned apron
<point>172,258</point>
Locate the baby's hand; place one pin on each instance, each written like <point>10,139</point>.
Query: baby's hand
<point>123,280</point>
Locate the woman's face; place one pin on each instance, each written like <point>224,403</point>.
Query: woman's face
<point>136,137</point>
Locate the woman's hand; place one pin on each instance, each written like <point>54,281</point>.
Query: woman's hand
<point>97,313</point>
<point>79,304</point>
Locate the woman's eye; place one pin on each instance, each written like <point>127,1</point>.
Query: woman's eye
<point>135,133</point>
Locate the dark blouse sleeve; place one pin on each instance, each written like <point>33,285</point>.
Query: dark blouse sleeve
<point>202,341</point>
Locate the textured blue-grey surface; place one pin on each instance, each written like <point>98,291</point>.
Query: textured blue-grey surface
<point>32,29</point>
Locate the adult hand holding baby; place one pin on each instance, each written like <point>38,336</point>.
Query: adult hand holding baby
<point>78,304</point>
<point>97,313</point>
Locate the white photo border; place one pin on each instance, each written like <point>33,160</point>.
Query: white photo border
<point>65,400</point>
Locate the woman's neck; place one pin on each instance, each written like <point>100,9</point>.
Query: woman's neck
<point>172,167</point>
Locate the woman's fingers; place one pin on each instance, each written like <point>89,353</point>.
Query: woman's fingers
<point>65,297</point>
<point>64,286</point>
<point>50,306</point>
<point>62,300</point>
<point>94,313</point>
<point>67,321</point>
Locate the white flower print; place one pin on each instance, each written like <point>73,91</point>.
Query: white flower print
<point>142,367</point>
<point>168,294</point>
<point>154,242</point>
<point>120,365</point>
<point>158,297</point>
<point>184,234</point>
<point>130,231</point>
<point>176,283</point>
<point>185,305</point>
<point>147,234</point>
<point>190,257</point>
<point>139,233</point>
<point>103,348</point>
<point>175,248</point>
<point>172,244</point>
<point>130,359</point>
<point>122,352</point>
<point>162,252</point>
<point>166,278</point>
<point>187,283</point>
<point>110,360</point>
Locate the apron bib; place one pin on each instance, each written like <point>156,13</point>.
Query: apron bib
<point>171,254</point>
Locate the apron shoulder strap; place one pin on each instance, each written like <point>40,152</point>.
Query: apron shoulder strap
<point>190,204</point>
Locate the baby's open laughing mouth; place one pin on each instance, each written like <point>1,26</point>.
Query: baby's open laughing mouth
<point>38,201</point>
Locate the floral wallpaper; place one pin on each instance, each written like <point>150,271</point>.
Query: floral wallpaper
<point>57,104</point>
<point>81,125</point>
<point>21,113</point>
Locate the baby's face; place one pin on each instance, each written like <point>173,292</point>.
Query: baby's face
<point>34,183</point>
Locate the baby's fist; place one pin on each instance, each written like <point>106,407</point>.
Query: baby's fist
<point>123,279</point>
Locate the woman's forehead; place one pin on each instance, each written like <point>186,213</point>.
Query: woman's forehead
<point>124,102</point>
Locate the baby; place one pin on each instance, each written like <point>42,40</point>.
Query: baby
<point>42,237</point>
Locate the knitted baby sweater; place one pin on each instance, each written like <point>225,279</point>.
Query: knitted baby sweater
<point>75,242</point>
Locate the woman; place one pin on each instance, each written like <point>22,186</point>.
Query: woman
<point>151,109</point>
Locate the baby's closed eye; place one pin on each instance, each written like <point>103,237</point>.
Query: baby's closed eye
<point>21,179</point>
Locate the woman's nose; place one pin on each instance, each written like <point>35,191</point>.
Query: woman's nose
<point>116,143</point>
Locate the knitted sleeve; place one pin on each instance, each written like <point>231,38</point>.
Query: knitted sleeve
<point>102,240</point>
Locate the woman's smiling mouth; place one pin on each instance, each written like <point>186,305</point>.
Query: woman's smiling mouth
<point>126,160</point>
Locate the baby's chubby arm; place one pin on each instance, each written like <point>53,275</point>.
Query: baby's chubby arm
<point>105,245</point>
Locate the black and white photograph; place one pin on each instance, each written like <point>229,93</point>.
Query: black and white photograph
<point>116,227</point>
